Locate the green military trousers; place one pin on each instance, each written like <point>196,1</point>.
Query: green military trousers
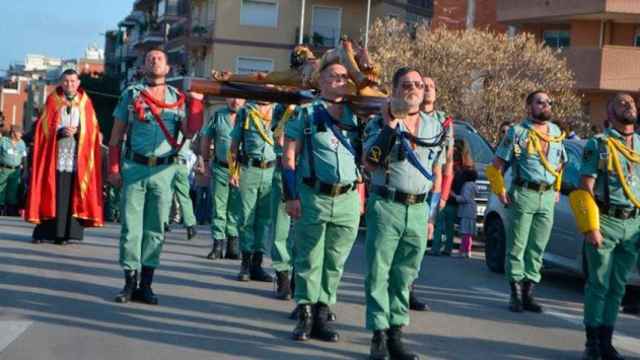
<point>396,241</point>
<point>9,182</point>
<point>324,236</point>
<point>531,214</point>
<point>445,225</point>
<point>181,186</point>
<point>608,268</point>
<point>255,216</point>
<point>145,204</point>
<point>282,247</point>
<point>226,204</point>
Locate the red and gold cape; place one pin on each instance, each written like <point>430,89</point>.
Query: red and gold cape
<point>87,196</point>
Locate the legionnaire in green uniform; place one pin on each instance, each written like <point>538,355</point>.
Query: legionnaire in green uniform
<point>320,156</point>
<point>151,114</point>
<point>536,155</point>
<point>405,154</point>
<point>12,151</point>
<point>226,199</point>
<point>181,186</point>
<point>252,160</point>
<point>282,247</point>
<point>607,211</point>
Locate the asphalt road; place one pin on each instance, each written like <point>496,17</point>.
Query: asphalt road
<point>56,303</point>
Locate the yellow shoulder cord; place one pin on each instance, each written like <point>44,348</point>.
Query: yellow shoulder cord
<point>256,118</point>
<point>279,131</point>
<point>616,147</point>
<point>534,145</point>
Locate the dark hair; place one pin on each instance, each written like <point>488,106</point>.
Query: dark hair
<point>505,123</point>
<point>532,95</point>
<point>69,72</point>
<point>402,72</point>
<point>155,48</point>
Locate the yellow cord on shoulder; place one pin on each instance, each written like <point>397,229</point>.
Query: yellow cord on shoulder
<point>534,145</point>
<point>256,118</point>
<point>279,131</point>
<point>615,147</point>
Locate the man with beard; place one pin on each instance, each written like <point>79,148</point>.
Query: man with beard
<point>226,199</point>
<point>607,212</point>
<point>252,160</point>
<point>319,155</point>
<point>151,115</point>
<point>405,154</point>
<point>534,151</point>
<point>65,187</point>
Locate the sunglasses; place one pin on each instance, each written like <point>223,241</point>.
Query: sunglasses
<point>408,85</point>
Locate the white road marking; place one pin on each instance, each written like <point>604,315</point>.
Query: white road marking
<point>621,341</point>
<point>11,330</point>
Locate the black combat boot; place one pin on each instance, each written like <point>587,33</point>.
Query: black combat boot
<point>232,248</point>
<point>592,346</point>
<point>191,232</point>
<point>257,272</point>
<point>515,302</point>
<point>216,250</point>
<point>130,284</point>
<point>414,301</point>
<point>321,328</point>
<point>144,293</point>
<point>607,351</point>
<point>245,267</point>
<point>303,329</point>
<point>379,349</point>
<point>283,285</point>
<point>396,346</point>
<point>528,302</point>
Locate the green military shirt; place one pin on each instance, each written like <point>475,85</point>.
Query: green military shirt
<point>12,154</point>
<point>594,162</point>
<point>333,162</point>
<point>526,166</point>
<point>219,131</point>
<point>185,151</point>
<point>252,145</point>
<point>145,137</point>
<point>402,176</point>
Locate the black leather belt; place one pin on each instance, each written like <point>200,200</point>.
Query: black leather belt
<point>539,187</point>
<point>152,160</point>
<point>332,190</point>
<point>618,212</point>
<point>258,163</point>
<point>9,167</point>
<point>224,164</point>
<point>398,196</point>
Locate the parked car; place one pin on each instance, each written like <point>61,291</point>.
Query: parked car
<point>482,153</point>
<point>565,248</point>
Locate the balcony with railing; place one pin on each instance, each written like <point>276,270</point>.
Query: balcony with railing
<point>190,34</point>
<point>320,37</point>
<point>518,11</point>
<point>171,11</point>
<point>610,68</point>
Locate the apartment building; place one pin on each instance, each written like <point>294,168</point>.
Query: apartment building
<point>243,35</point>
<point>600,39</point>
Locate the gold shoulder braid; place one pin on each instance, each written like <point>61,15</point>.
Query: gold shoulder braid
<point>255,116</point>
<point>279,131</point>
<point>615,147</point>
<point>534,146</point>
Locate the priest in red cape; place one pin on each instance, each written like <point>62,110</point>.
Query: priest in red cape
<point>65,186</point>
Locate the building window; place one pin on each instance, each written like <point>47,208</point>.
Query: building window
<point>259,13</point>
<point>557,39</point>
<point>162,7</point>
<point>636,39</point>
<point>326,24</point>
<point>247,65</point>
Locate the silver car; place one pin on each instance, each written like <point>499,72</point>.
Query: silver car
<point>565,248</point>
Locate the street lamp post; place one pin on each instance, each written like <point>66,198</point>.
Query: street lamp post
<point>301,32</point>
<point>366,30</point>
